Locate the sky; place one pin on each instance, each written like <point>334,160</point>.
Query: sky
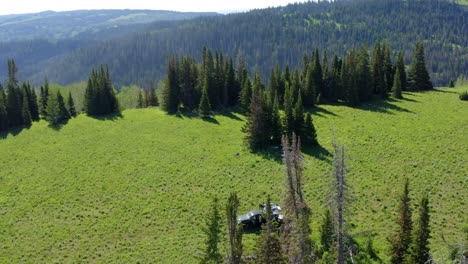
<point>222,6</point>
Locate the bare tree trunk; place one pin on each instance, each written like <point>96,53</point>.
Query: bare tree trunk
<point>340,185</point>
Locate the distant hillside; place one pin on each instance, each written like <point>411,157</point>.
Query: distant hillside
<point>281,36</point>
<point>70,24</point>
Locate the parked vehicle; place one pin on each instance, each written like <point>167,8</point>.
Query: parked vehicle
<point>255,218</point>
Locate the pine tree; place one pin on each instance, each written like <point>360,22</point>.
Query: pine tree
<point>25,112</point>
<point>71,105</point>
<point>309,134</point>
<point>170,94</point>
<point>299,116</point>
<point>234,230</point>
<point>64,114</point>
<point>396,89</point>
<point>401,241</point>
<point>43,100</point>
<point>400,67</point>
<point>14,98</point>
<point>140,103</point>
<point>53,111</point>
<point>276,127</point>
<point>363,75</point>
<point>256,127</point>
<point>451,84</point>
<point>327,232</point>
<point>205,107</point>
<point>213,237</point>
<point>418,76</point>
<point>3,110</point>
<point>268,245</point>
<point>378,71</point>
<point>33,104</point>
<point>288,120</point>
<point>419,252</point>
<point>245,95</point>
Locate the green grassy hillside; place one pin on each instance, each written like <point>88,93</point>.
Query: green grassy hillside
<point>137,188</point>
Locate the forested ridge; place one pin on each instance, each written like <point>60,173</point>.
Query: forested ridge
<point>273,36</point>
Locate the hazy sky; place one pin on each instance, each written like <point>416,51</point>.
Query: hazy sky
<point>33,6</point>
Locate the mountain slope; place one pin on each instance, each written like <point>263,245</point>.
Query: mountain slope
<point>69,24</point>
<point>138,188</point>
<point>281,36</point>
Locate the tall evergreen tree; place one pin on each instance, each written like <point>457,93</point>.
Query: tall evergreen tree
<point>3,110</point>
<point>170,94</point>
<point>363,81</point>
<point>33,103</point>
<point>14,98</point>
<point>419,252</point>
<point>327,232</point>
<point>25,112</point>
<point>140,101</point>
<point>213,236</point>
<point>309,134</point>
<point>402,239</point>
<point>299,116</point>
<point>205,107</point>
<point>71,105</point>
<point>288,120</point>
<point>257,128</point>
<point>64,114</point>
<point>234,230</point>
<point>54,114</point>
<point>400,67</point>
<point>151,98</point>
<point>276,127</point>
<point>245,95</point>
<point>418,77</point>
<point>396,89</point>
<point>269,245</point>
<point>43,99</point>
<point>378,71</point>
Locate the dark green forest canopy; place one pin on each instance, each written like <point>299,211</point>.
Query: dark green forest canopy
<point>263,37</point>
<point>280,36</point>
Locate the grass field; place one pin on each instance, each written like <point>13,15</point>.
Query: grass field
<point>137,188</point>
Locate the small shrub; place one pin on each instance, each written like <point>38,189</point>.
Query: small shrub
<point>464,96</point>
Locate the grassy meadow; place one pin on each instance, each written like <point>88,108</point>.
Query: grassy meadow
<point>137,188</point>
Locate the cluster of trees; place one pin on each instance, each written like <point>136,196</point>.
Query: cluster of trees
<point>410,243</point>
<point>291,241</point>
<point>210,85</point>
<point>280,35</point>
<point>100,98</point>
<point>216,83</point>
<point>20,106</point>
<point>147,97</point>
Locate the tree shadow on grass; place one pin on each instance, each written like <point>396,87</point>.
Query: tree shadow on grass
<point>439,90</point>
<point>273,153</point>
<point>210,119</point>
<point>231,115</point>
<point>252,230</point>
<point>318,152</point>
<point>110,117</point>
<point>13,131</point>
<point>382,106</point>
<point>321,112</point>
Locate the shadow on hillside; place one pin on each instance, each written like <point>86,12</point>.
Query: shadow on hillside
<point>381,106</point>
<point>252,230</point>
<point>13,131</point>
<point>188,115</point>
<point>318,152</point>
<point>231,115</point>
<point>321,111</point>
<point>273,153</point>
<point>111,117</point>
<point>210,119</point>
<point>441,90</point>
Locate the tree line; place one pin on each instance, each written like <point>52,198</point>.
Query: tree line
<point>20,105</point>
<point>278,108</point>
<point>289,241</point>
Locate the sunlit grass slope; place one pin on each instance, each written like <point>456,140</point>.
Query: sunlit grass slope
<point>137,188</point>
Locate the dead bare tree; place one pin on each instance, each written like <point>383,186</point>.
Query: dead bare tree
<point>295,231</point>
